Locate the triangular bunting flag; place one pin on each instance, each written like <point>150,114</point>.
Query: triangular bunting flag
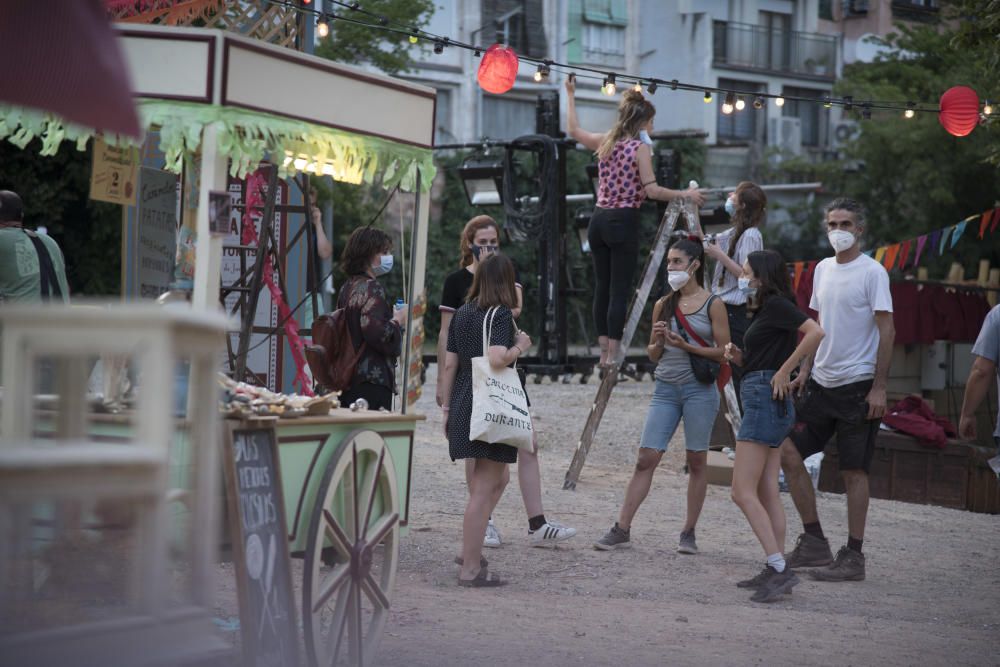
<point>870,253</point>
<point>957,234</point>
<point>944,238</point>
<point>933,242</point>
<point>799,267</point>
<point>904,254</point>
<point>890,256</point>
<point>985,222</point>
<point>996,220</point>
<point>879,254</point>
<point>921,242</point>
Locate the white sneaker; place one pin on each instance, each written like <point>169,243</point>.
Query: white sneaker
<point>550,533</point>
<point>492,539</point>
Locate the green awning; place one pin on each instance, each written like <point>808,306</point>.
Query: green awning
<point>246,138</point>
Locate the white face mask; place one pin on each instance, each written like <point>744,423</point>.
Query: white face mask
<point>645,138</point>
<point>841,240</point>
<point>731,207</point>
<point>678,279</point>
<point>744,286</point>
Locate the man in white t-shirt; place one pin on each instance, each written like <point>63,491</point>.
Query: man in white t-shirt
<point>845,395</point>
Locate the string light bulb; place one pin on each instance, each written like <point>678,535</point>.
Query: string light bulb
<point>637,87</point>
<point>779,101</point>
<point>848,102</point>
<point>652,88</point>
<point>438,47</point>
<point>322,26</point>
<point>758,102</point>
<point>987,108</point>
<point>827,103</point>
<point>866,111</point>
<point>728,103</point>
<point>740,104</point>
<point>673,84</point>
<point>609,85</point>
<point>910,112</point>
<point>542,73</point>
<point>414,39</point>
<point>708,97</point>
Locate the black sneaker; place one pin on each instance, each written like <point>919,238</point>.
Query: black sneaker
<point>616,538</point>
<point>809,551</point>
<point>758,580</point>
<point>848,566</point>
<point>776,585</point>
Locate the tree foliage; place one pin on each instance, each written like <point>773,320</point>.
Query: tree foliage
<point>387,51</point>
<point>911,174</point>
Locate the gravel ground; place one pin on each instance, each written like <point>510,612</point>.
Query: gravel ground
<point>932,595</point>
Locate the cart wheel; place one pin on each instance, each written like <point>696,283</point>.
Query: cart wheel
<point>351,555</point>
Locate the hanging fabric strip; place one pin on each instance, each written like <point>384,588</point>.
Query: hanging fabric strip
<point>944,239</point>
<point>890,256</point>
<point>959,230</point>
<point>904,254</point>
<point>921,242</point>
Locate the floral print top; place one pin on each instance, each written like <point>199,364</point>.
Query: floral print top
<point>619,185</point>
<point>369,318</point>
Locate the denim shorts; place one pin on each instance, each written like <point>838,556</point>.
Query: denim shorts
<point>697,403</point>
<point>765,420</point>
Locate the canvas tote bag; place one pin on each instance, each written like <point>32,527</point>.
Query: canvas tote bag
<point>499,405</point>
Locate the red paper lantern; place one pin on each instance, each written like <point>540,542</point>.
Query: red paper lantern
<point>498,69</point>
<point>959,110</point>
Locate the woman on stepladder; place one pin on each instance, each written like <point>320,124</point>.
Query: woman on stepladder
<point>479,239</point>
<point>625,165</point>
<point>690,326</point>
<point>768,358</point>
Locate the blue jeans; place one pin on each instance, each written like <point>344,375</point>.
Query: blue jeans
<point>697,403</point>
<point>765,420</point>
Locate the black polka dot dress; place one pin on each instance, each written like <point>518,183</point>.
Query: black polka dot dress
<point>465,338</point>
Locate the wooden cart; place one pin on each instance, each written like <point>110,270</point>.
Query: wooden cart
<point>345,481</point>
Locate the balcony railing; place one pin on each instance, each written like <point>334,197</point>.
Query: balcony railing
<point>769,50</point>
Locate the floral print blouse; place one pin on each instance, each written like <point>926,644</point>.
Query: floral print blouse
<point>369,318</point>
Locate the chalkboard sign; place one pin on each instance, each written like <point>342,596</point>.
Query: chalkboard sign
<point>260,548</point>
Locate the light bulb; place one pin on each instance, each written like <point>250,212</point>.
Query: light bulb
<point>727,108</point>
<point>414,39</point>
<point>708,97</point>
<point>987,108</point>
<point>322,28</point>
<point>779,101</point>
<point>652,87</point>
<point>740,104</point>
<point>909,113</point>
<point>637,87</point>
<point>758,102</point>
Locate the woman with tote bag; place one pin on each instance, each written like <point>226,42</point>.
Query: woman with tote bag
<point>492,294</point>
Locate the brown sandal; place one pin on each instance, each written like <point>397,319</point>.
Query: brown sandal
<point>483,580</point>
<point>482,561</point>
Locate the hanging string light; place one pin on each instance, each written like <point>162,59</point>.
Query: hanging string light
<point>637,87</point>
<point>987,108</point>
<point>652,88</point>
<point>866,111</point>
<point>758,102</point>
<point>727,105</point>
<point>609,87</point>
<point>741,104</point>
<point>366,18</point>
<point>542,74</point>
<point>322,26</point>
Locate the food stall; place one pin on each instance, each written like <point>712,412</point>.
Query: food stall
<point>223,104</point>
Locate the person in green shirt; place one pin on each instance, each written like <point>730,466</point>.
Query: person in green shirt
<point>24,276</point>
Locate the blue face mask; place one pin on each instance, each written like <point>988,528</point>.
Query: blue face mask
<point>384,266</point>
<point>744,286</point>
<point>478,251</point>
<point>731,207</point>
<point>645,138</point>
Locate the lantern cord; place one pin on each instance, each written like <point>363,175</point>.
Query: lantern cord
<point>385,24</point>
<point>525,218</point>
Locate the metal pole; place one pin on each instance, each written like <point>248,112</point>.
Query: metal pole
<point>414,235</point>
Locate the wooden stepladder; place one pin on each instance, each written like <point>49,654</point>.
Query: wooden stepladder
<point>668,224</point>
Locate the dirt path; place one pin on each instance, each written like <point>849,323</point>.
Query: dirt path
<point>932,595</point>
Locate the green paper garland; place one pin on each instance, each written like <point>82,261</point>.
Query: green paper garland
<point>245,137</point>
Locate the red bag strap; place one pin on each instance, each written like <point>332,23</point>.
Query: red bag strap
<point>687,326</point>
